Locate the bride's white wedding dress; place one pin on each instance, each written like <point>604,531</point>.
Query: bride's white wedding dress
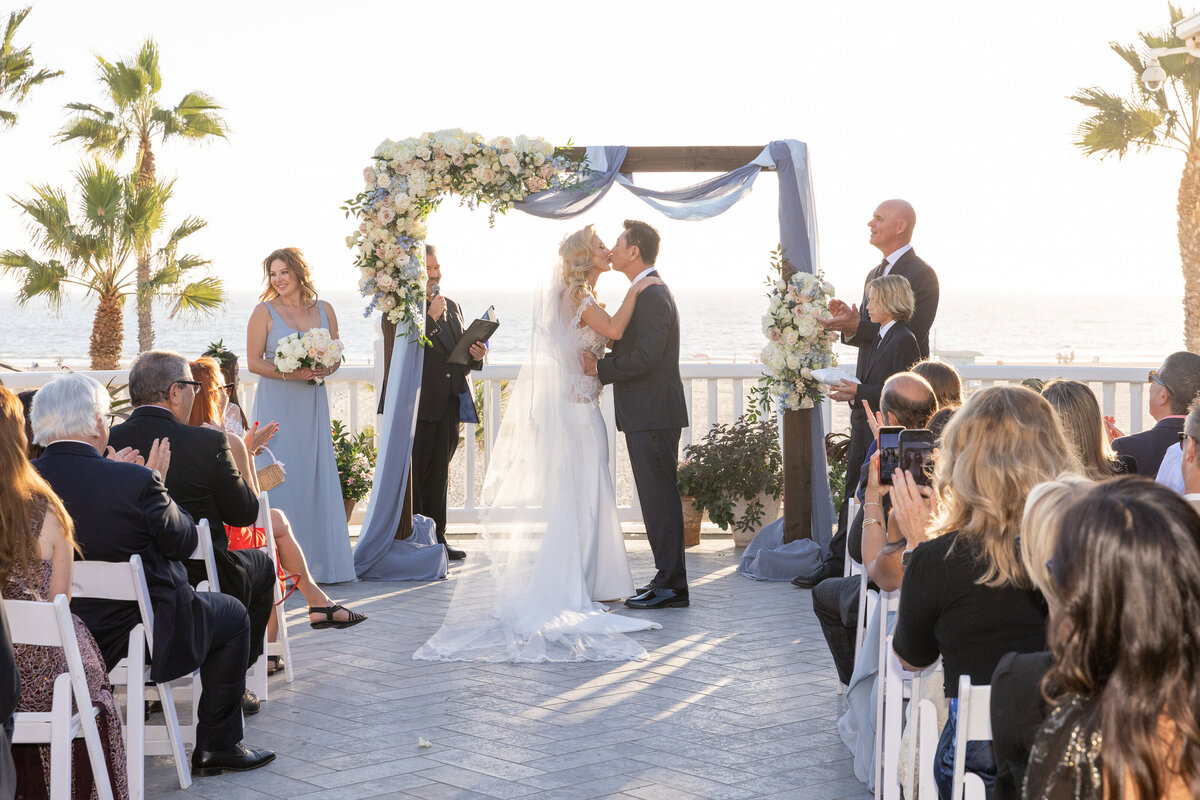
<point>553,543</point>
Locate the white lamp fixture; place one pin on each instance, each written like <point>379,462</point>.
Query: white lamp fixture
<point>1188,29</point>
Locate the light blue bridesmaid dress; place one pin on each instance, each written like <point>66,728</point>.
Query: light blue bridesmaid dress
<point>311,494</point>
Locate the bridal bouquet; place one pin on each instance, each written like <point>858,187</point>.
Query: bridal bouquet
<point>316,348</point>
<point>407,181</point>
<point>797,343</point>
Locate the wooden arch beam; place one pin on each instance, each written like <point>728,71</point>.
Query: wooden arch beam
<point>720,158</point>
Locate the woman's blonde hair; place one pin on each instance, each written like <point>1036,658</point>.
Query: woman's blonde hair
<point>1045,509</point>
<point>1079,414</point>
<point>894,295</point>
<point>299,267</point>
<point>575,262</point>
<point>1002,442</point>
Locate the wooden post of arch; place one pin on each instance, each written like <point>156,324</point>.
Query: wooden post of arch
<point>797,454</point>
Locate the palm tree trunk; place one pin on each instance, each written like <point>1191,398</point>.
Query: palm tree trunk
<point>1188,209</point>
<point>145,303</point>
<point>108,333</point>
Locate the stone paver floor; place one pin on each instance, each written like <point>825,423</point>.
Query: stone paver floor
<point>737,700</point>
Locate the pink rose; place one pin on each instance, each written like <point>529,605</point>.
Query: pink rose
<point>774,335</point>
<point>457,160</point>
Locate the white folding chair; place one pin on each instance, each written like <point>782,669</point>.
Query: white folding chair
<point>256,677</point>
<point>851,569</point>
<point>974,725</point>
<point>895,684</point>
<point>927,742</point>
<point>126,581</point>
<point>50,625</point>
<point>204,552</point>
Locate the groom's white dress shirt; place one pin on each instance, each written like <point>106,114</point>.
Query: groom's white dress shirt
<point>642,274</point>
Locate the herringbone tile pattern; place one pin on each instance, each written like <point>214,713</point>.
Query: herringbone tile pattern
<point>737,700</point>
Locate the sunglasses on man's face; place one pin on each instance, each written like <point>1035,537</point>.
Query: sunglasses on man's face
<point>1153,378</point>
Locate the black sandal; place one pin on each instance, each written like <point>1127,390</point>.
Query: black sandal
<point>330,622</point>
<point>275,664</point>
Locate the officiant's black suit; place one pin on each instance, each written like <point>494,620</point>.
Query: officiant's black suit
<point>436,436</point>
<point>206,484</point>
<point>120,510</point>
<point>643,369</point>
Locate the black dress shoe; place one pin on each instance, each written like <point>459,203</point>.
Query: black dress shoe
<point>251,705</point>
<point>660,598</point>
<point>649,587</point>
<point>826,570</point>
<point>238,758</point>
<point>454,554</point>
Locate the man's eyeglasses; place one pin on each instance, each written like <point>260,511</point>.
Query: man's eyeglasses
<point>1153,378</point>
<point>194,384</point>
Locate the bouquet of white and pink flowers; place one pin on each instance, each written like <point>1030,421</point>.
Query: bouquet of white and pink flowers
<point>316,348</point>
<point>797,342</point>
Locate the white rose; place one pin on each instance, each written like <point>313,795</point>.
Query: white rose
<point>793,361</point>
<point>790,337</point>
<point>383,180</point>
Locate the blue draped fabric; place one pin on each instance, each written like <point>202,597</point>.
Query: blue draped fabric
<point>379,556</point>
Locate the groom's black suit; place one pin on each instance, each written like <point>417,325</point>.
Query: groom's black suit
<point>643,368</point>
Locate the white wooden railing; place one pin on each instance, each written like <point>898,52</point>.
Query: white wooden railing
<point>715,393</point>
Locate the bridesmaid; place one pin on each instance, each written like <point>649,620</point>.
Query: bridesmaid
<point>311,491</point>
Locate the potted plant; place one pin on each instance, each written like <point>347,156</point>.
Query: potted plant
<point>735,473</point>
<point>693,516</point>
<point>355,455</point>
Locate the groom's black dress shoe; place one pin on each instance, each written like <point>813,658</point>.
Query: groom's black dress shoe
<point>660,598</point>
<point>454,554</point>
<point>238,758</point>
<point>649,587</point>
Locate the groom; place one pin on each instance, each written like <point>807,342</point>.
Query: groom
<point>643,368</point>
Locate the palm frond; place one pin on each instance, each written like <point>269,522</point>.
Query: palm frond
<point>49,215</point>
<point>44,279</point>
<point>181,232</point>
<point>147,61</point>
<point>101,189</point>
<point>205,296</point>
<point>1117,125</point>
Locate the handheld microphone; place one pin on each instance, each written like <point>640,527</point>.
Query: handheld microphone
<point>435,290</point>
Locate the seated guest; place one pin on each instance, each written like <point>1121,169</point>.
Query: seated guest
<point>1173,387</point>
<point>1125,637</point>
<point>1169,471</point>
<point>944,379</point>
<point>966,596</point>
<point>203,480</point>
<point>211,406</point>
<point>10,693</point>
<point>1018,705</point>
<point>890,304</point>
<point>26,398</point>
<point>37,549</point>
<point>1189,468</point>
<point>906,400</point>
<point>235,418</point>
<point>1083,425</point>
<point>123,509</point>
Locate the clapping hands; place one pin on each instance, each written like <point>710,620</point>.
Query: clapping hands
<point>159,459</point>
<point>845,318</point>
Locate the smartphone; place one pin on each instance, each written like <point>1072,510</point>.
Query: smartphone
<point>916,455</point>
<point>889,452</point>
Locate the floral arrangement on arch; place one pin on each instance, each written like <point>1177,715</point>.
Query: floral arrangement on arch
<point>797,342</point>
<point>408,180</point>
<point>355,455</point>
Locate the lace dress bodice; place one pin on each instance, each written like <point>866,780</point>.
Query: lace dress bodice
<point>586,388</point>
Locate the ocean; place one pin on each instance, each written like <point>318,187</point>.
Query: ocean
<point>714,326</point>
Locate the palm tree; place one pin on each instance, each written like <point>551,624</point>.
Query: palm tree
<point>17,77</point>
<point>1166,118</point>
<point>117,218</point>
<point>136,118</point>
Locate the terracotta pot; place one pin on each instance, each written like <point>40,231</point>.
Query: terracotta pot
<point>692,517</point>
<point>350,504</point>
<point>770,514</point>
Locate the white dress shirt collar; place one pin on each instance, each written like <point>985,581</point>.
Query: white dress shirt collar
<point>642,274</point>
<point>883,329</point>
<point>894,256</point>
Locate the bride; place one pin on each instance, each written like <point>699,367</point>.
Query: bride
<point>553,540</point>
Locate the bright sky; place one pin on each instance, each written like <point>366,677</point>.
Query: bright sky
<point>958,107</point>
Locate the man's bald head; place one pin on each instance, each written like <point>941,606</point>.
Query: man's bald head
<point>892,225</point>
<point>909,399</point>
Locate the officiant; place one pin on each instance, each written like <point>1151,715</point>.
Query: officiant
<point>446,402</point>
